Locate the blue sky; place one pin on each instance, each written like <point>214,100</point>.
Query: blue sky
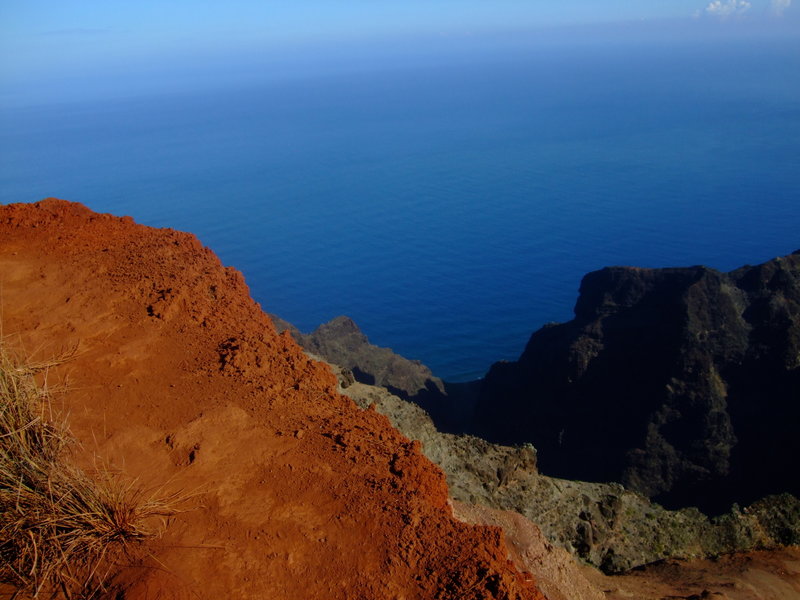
<point>175,21</point>
<point>51,40</point>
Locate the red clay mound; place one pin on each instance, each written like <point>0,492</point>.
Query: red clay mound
<point>180,379</point>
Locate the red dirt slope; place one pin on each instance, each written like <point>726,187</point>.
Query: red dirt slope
<point>181,379</point>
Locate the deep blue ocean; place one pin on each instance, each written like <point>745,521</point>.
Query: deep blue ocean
<point>450,204</point>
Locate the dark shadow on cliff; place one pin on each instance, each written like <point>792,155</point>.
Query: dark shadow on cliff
<point>341,342</point>
<point>680,383</point>
<point>683,384</point>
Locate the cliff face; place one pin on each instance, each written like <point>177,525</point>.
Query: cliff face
<point>180,381</point>
<point>341,342</point>
<point>602,523</point>
<point>682,384</point>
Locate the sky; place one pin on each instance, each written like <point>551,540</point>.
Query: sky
<point>50,41</point>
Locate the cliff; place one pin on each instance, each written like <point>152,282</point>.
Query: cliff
<point>181,383</point>
<point>682,384</point>
<point>341,343</point>
<point>603,524</point>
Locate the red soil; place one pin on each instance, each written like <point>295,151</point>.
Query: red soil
<point>758,575</point>
<point>181,381</point>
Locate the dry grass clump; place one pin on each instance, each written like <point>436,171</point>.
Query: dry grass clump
<point>61,530</point>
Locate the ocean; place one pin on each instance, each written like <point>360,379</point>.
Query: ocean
<point>449,203</point>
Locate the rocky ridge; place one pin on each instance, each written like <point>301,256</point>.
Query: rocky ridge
<point>179,375</point>
<point>340,342</point>
<point>343,343</point>
<point>181,383</point>
<point>682,384</point>
<point>605,524</point>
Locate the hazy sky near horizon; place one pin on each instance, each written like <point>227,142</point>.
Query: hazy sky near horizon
<point>49,40</point>
<point>281,19</point>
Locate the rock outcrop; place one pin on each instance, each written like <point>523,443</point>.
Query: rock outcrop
<point>682,384</point>
<point>604,524</point>
<point>181,382</point>
<point>342,343</point>
<point>558,573</point>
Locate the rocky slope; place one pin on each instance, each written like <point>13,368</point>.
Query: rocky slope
<point>683,384</point>
<point>603,524</point>
<point>180,381</point>
<point>342,343</point>
<point>756,575</point>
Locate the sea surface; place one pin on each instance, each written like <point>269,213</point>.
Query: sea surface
<point>450,204</point>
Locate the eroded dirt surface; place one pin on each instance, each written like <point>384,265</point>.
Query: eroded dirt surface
<point>761,575</point>
<point>180,380</point>
<point>764,575</point>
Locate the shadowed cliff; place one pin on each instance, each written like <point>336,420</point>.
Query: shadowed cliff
<point>680,383</point>
<point>342,343</point>
<point>602,523</point>
<point>683,384</point>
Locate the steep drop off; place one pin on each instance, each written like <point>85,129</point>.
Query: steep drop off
<point>342,343</point>
<point>603,524</point>
<point>180,381</point>
<point>683,384</point>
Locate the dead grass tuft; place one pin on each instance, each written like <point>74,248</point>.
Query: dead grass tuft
<point>62,531</point>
